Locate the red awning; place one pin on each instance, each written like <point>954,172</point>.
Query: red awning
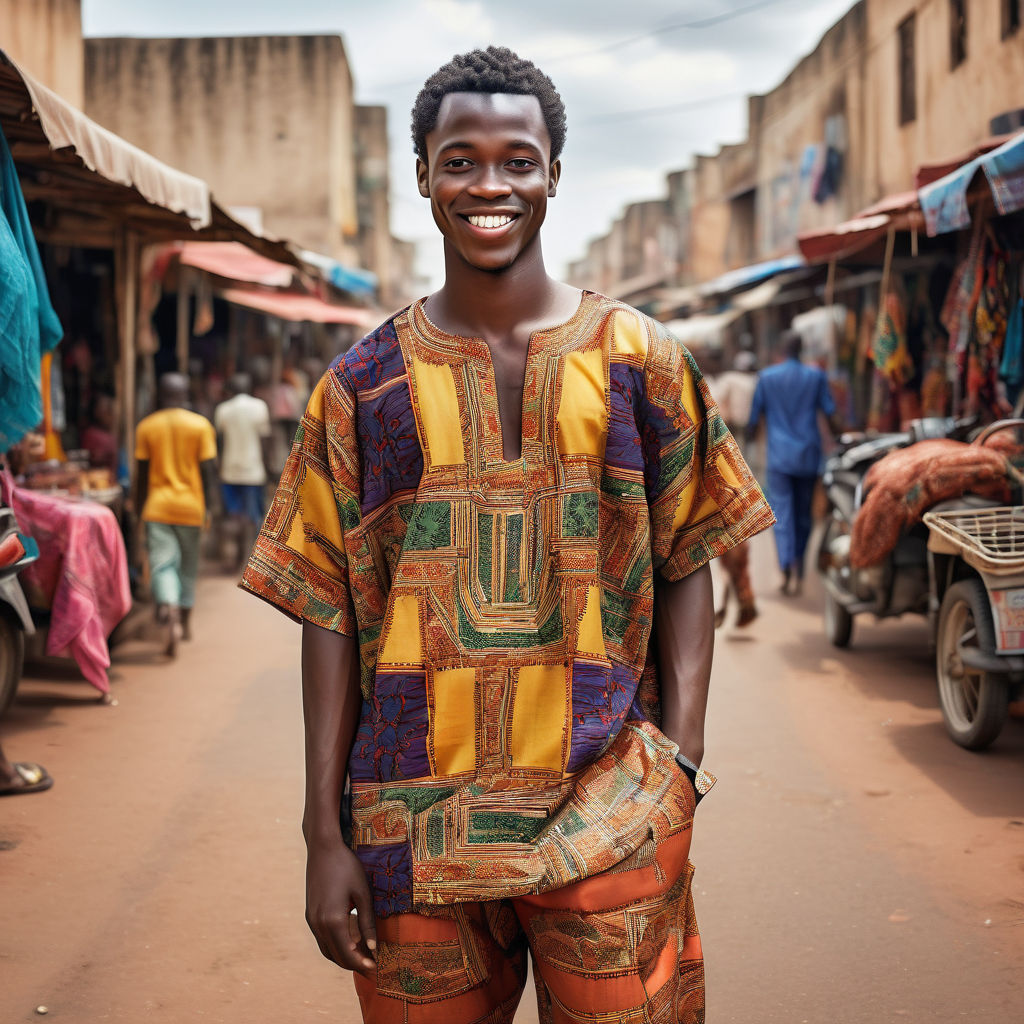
<point>236,262</point>
<point>298,308</point>
<point>899,212</point>
<point>927,173</point>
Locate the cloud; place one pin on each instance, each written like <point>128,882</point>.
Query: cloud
<point>591,51</point>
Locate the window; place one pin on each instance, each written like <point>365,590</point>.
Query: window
<point>1011,16</point>
<point>957,32</point>
<point>906,72</point>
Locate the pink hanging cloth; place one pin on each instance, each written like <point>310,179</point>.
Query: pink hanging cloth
<point>81,574</point>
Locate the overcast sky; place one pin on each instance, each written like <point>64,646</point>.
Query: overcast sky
<point>617,65</point>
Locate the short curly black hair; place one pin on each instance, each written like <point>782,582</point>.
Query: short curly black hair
<point>496,69</point>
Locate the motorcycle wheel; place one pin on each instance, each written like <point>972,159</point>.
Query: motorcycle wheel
<point>12,656</point>
<point>974,702</point>
<point>838,621</point>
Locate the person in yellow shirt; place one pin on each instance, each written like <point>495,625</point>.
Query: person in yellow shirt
<point>176,453</point>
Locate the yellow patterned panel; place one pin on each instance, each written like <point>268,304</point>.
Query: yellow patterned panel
<point>630,336</point>
<point>728,475</point>
<point>582,410</point>
<point>591,636</point>
<point>401,644</point>
<point>538,717</point>
<point>439,413</point>
<point>453,721</point>
<point>316,505</point>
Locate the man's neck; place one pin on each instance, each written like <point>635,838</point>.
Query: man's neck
<point>493,304</point>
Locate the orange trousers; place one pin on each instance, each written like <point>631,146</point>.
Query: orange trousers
<point>621,947</point>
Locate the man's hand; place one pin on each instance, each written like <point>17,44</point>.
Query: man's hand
<point>335,883</point>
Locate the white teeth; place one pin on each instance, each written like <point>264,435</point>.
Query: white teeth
<point>490,221</point>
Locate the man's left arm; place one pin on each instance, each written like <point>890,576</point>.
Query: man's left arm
<point>684,630</point>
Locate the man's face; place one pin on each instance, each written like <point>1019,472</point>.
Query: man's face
<point>488,175</point>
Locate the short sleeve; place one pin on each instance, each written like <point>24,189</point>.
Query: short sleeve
<point>703,499</point>
<point>142,443</point>
<point>207,442</point>
<point>299,562</point>
<point>263,419</point>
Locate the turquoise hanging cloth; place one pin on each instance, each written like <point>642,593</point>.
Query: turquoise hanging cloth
<point>29,327</point>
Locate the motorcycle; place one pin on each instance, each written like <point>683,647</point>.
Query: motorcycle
<point>899,584</point>
<point>16,551</point>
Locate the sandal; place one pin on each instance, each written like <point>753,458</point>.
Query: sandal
<point>34,779</point>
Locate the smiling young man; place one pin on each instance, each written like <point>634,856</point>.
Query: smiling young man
<point>495,526</point>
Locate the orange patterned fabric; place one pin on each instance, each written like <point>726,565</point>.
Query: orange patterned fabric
<point>617,948</point>
<point>508,741</point>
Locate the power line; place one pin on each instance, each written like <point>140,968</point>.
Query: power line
<point>672,108</point>
<point>707,21</point>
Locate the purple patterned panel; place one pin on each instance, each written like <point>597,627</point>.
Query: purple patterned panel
<point>622,448</point>
<point>389,872</point>
<point>600,699</point>
<point>400,726</point>
<point>360,762</point>
<point>375,359</point>
<point>657,429</point>
<point>388,445</point>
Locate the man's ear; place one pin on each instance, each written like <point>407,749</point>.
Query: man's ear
<point>554,173</point>
<point>422,178</point>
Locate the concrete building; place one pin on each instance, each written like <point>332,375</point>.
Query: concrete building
<point>268,121</point>
<point>939,73</point>
<point>892,85</point>
<point>44,37</point>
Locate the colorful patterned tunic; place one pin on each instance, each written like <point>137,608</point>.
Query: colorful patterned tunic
<point>504,610</point>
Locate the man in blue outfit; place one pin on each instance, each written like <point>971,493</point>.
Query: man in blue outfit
<point>789,396</point>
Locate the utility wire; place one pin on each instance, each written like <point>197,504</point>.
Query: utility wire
<point>698,23</point>
<point>621,115</point>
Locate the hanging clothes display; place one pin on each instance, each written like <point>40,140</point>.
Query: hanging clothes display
<point>29,327</point>
<point>1011,366</point>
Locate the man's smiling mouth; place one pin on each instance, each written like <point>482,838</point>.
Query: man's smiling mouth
<point>491,221</point>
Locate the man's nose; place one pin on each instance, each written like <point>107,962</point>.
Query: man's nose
<point>490,183</point>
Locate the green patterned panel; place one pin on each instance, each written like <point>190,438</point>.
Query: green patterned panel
<point>615,614</point>
<point>513,546</point>
<point>435,830</point>
<point>623,488</point>
<point>417,798</point>
<point>430,527</point>
<point>579,515</point>
<point>485,533</point>
<point>487,827</point>
<point>675,461</point>
<point>474,640</point>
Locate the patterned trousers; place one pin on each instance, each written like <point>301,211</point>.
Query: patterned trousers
<point>619,948</point>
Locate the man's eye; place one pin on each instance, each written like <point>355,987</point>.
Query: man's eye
<point>520,163</point>
<point>457,163</point>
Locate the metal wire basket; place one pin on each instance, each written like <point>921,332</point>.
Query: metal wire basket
<point>990,539</point>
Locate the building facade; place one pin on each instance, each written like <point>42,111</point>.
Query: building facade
<point>44,37</point>
<point>894,84</point>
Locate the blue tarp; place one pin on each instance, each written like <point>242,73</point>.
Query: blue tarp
<point>944,202</point>
<point>28,324</point>
<point>352,280</point>
<point>746,277</point>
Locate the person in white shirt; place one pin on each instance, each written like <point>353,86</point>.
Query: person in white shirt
<point>243,426</point>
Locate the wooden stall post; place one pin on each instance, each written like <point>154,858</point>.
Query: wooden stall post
<point>126,281</point>
<point>184,326</point>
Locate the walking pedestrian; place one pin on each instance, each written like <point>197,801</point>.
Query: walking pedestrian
<point>733,391</point>
<point>789,397</point>
<point>492,501</point>
<point>243,428</point>
<point>175,452</point>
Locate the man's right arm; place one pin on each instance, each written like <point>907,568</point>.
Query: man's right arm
<point>335,879</point>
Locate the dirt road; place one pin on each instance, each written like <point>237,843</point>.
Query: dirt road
<point>852,864</point>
